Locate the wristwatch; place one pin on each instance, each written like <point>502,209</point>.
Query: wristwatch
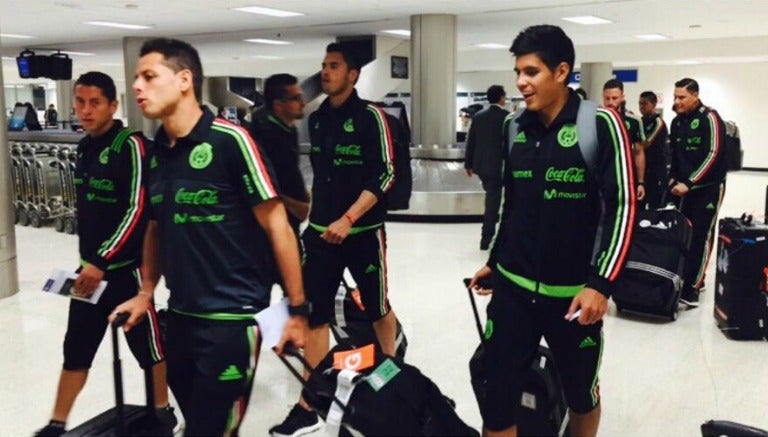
<point>303,309</point>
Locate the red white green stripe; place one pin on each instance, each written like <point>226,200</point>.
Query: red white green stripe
<point>251,155</point>
<point>387,150</point>
<point>714,149</point>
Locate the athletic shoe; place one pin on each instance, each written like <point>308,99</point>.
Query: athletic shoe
<point>298,422</point>
<point>53,429</point>
<point>690,299</point>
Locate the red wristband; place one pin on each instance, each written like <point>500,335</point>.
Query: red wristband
<point>348,216</point>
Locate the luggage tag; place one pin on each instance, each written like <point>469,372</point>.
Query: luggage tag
<point>355,359</point>
<point>382,375</point>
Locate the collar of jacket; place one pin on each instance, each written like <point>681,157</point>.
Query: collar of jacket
<point>352,102</point>
<point>567,115</point>
<point>106,138</point>
<point>198,134</point>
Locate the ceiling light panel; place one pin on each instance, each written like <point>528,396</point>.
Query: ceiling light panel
<point>490,45</point>
<point>652,37</point>
<point>269,12</point>
<point>274,42</point>
<point>118,25</point>
<point>587,20</point>
<point>398,32</point>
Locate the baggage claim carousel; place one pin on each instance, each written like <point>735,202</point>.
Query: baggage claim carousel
<point>442,192</point>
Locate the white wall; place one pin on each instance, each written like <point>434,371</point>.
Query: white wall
<point>737,91</point>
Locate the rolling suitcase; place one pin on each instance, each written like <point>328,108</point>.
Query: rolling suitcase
<point>124,420</point>
<point>543,410</point>
<point>350,326</point>
<point>364,392</point>
<point>652,278</point>
<point>741,284</point>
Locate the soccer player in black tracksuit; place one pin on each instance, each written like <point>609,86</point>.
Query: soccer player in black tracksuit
<point>541,262</point>
<point>111,200</point>
<point>216,223</point>
<point>656,150</point>
<point>351,156</point>
<point>697,178</point>
<point>613,97</point>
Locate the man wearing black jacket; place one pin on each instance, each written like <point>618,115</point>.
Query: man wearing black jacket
<point>351,156</point>
<point>656,150</point>
<point>697,178</point>
<point>484,157</point>
<point>111,206</point>
<point>541,264</point>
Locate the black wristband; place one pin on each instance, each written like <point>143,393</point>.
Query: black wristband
<point>303,309</point>
<point>641,183</point>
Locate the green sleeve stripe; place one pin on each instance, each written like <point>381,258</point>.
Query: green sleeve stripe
<point>714,149</point>
<point>251,157</point>
<point>385,141</point>
<point>612,259</point>
<point>135,201</point>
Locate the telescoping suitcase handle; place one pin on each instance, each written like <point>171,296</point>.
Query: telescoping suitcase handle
<point>478,324</point>
<point>118,373</point>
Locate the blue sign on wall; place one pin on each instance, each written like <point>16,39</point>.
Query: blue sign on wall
<point>623,75</point>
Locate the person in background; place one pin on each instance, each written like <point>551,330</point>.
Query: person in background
<point>656,148</point>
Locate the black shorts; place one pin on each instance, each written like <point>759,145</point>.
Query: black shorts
<point>364,254</point>
<point>88,322</point>
<point>211,365</point>
<point>517,319</point>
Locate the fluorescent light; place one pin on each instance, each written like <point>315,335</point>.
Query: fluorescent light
<point>587,20</point>
<point>490,45</point>
<point>268,11</point>
<point>15,36</point>
<point>118,25</point>
<point>652,36</point>
<point>8,58</point>
<point>688,62</point>
<point>398,32</point>
<point>269,57</point>
<point>76,53</point>
<point>275,42</point>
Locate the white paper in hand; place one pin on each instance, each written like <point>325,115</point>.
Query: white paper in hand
<point>272,322</point>
<point>61,281</point>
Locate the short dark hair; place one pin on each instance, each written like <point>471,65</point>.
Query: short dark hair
<point>495,93</point>
<point>100,81</point>
<point>179,55</point>
<point>548,42</point>
<point>613,83</point>
<point>650,96</point>
<point>581,93</point>
<point>689,84</point>
<point>275,85</point>
<point>349,56</point>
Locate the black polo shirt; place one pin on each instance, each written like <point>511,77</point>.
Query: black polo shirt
<point>216,259</point>
<point>281,145</point>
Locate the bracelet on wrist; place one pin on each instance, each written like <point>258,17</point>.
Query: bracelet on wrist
<point>640,183</point>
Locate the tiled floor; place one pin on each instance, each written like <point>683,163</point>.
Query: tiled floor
<point>657,378</point>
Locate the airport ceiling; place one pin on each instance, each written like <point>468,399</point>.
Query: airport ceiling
<point>218,30</point>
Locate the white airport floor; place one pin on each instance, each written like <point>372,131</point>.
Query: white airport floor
<point>658,378</point>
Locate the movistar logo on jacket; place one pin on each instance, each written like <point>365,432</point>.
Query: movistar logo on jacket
<point>200,197</point>
<point>572,175</point>
<point>522,174</point>
<point>553,194</point>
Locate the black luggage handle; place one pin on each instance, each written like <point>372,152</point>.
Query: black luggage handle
<point>117,369</point>
<point>476,313</point>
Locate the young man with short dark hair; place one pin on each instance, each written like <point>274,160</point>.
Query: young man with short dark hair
<point>216,227</point>
<point>274,129</point>
<point>613,97</point>
<point>546,280</point>
<point>111,211</point>
<point>351,155</point>
<point>484,157</point>
<point>697,178</point>
<point>656,150</point>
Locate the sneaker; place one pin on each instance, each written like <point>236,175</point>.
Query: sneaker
<point>690,299</point>
<point>168,418</point>
<point>53,429</point>
<point>298,422</point>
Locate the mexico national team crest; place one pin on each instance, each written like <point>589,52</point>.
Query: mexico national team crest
<point>567,137</point>
<point>104,156</point>
<point>201,156</point>
<point>695,123</point>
